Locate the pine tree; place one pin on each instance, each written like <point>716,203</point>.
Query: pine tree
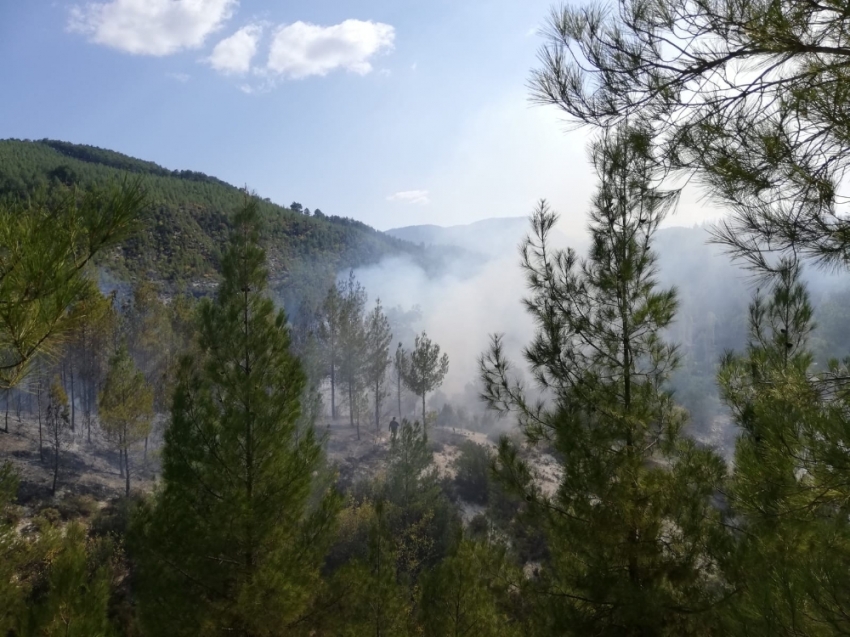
<point>378,339</point>
<point>153,345</point>
<point>423,369</point>
<point>234,541</point>
<point>398,365</point>
<point>329,332</point>
<point>57,421</point>
<point>90,346</point>
<point>789,491</point>
<point>630,526</point>
<point>73,586</point>
<point>12,554</point>
<point>422,521</point>
<point>468,593</point>
<point>747,97</point>
<point>55,582</point>
<point>126,407</point>
<point>47,246</point>
<point>352,345</point>
<point>372,599</point>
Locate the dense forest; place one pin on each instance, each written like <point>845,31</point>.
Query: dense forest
<point>186,220</point>
<point>211,428</point>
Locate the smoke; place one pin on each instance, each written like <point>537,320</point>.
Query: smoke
<point>458,311</point>
<point>477,294</point>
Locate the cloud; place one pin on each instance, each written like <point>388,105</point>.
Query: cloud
<point>411,196</point>
<point>179,77</point>
<point>150,27</point>
<point>301,49</point>
<point>233,55</point>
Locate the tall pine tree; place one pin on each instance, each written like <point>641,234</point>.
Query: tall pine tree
<point>789,490</point>
<point>423,369</point>
<point>378,339</point>
<point>233,543</point>
<point>630,522</point>
<point>352,345</point>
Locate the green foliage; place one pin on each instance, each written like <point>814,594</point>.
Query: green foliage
<point>352,344</point>
<point>235,538</point>
<point>70,597</point>
<point>423,369</point>
<point>57,421</point>
<point>126,407</point>
<point>373,599</point>
<point>54,583</point>
<point>91,346</point>
<point>468,593</point>
<point>47,244</point>
<point>187,219</point>
<point>472,480</point>
<point>750,96</point>
<point>330,329</point>
<point>377,357</point>
<point>152,342</point>
<point>789,489</point>
<point>631,527</point>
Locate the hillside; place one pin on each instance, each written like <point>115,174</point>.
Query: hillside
<point>495,237</point>
<point>186,221</point>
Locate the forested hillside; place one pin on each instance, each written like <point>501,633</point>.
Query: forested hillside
<point>494,431</point>
<point>186,221</point>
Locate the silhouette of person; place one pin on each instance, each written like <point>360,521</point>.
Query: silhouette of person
<point>393,428</point>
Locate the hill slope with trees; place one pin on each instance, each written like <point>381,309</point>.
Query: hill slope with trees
<point>186,221</point>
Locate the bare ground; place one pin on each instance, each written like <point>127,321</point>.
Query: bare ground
<point>85,468</point>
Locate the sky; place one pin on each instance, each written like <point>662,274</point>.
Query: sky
<point>393,112</point>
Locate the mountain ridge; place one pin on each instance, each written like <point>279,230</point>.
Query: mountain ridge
<point>186,222</point>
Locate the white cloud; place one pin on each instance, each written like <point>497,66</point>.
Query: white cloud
<point>233,55</point>
<point>411,196</point>
<point>300,49</point>
<point>150,27</point>
<point>179,77</point>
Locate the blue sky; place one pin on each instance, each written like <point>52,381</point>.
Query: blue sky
<point>395,112</point>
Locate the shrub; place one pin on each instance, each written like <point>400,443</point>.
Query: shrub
<point>473,472</point>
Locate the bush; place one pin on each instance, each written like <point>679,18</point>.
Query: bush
<point>435,446</point>
<point>114,519</point>
<point>74,507</point>
<point>50,516</point>
<point>472,481</point>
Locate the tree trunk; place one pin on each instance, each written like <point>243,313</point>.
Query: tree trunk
<point>398,393</point>
<point>377,408</point>
<point>249,445</point>
<point>424,426</point>
<point>333,385</point>
<point>55,458</point>
<point>6,427</point>
<point>89,408</point>
<point>351,407</point>
<point>127,471</point>
<point>38,404</point>
<point>73,402</point>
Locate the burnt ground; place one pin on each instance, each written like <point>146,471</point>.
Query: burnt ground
<point>90,469</point>
<point>85,468</point>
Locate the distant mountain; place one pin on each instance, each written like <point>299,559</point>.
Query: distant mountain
<point>187,222</point>
<point>495,237</point>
